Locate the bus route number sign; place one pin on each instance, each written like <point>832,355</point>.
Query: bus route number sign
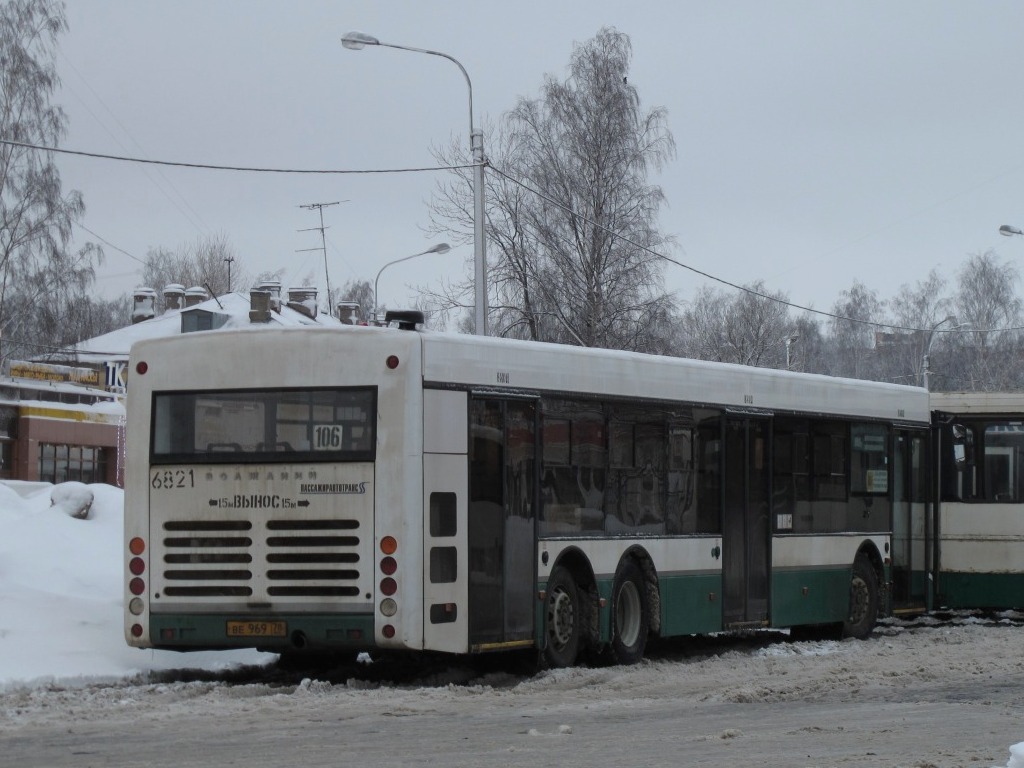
<point>327,437</point>
<point>257,629</point>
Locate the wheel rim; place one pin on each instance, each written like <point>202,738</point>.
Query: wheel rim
<point>859,598</point>
<point>627,614</point>
<point>561,617</point>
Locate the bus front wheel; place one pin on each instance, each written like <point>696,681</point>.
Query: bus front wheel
<point>630,622</point>
<point>863,601</point>
<point>562,619</point>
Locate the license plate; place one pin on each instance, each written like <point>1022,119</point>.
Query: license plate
<point>257,629</point>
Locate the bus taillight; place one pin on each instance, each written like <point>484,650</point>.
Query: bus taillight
<point>388,586</point>
<point>388,566</point>
<point>137,566</point>
<point>389,545</point>
<point>137,546</point>
<point>136,586</point>
<point>136,630</point>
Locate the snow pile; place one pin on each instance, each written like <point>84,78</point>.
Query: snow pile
<point>61,587</point>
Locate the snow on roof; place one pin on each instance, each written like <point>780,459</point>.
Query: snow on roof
<point>116,345</point>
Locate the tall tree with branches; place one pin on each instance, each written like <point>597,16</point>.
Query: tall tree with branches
<point>571,217</point>
<point>206,262</point>
<point>36,215</point>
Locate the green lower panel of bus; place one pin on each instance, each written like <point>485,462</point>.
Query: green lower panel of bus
<point>691,604</point>
<point>818,596</point>
<point>282,632</point>
<point>981,590</point>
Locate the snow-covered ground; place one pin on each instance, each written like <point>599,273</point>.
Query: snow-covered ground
<point>63,659</point>
<point>61,586</point>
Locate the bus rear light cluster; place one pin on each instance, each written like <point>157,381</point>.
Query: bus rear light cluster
<point>137,586</point>
<point>388,585</point>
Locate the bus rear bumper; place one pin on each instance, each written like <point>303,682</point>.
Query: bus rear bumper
<point>279,634</point>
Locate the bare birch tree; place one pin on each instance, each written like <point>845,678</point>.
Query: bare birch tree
<point>571,217</point>
<point>36,215</point>
<point>987,304</point>
<point>852,335</point>
<point>202,263</point>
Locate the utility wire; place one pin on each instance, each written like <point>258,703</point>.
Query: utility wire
<point>528,188</point>
<point>107,242</point>
<point>744,289</point>
<point>244,168</point>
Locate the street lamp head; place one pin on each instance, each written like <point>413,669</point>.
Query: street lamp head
<point>1007,231</point>
<point>440,248</point>
<point>356,41</point>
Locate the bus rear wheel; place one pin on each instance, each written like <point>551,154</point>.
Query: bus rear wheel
<point>562,619</point>
<point>863,601</point>
<point>630,620</point>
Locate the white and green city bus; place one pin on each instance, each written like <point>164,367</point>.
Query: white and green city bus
<point>374,489</point>
<point>979,547</point>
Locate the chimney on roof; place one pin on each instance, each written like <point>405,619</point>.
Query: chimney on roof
<point>144,306</point>
<point>274,287</point>
<point>195,295</point>
<point>348,312</point>
<point>303,300</point>
<point>174,296</point>
<point>259,306</point>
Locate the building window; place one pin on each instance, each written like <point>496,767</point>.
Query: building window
<point>61,463</point>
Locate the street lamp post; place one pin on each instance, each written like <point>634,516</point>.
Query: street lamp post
<point>357,41</point>
<point>790,341</point>
<point>439,248</point>
<point>926,368</point>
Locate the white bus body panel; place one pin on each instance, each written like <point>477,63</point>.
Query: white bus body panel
<point>981,538</point>
<point>446,470</point>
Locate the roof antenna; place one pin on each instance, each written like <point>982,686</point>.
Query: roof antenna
<point>207,286</point>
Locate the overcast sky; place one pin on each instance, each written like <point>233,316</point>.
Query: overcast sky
<point>818,143</point>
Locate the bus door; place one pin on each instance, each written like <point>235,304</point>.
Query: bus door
<point>502,504</point>
<point>909,510</point>
<point>745,522</point>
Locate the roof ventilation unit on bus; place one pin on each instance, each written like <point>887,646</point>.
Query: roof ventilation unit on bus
<point>406,319</point>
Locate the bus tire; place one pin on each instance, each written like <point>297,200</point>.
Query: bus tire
<point>630,619</point>
<point>863,601</point>
<point>563,621</point>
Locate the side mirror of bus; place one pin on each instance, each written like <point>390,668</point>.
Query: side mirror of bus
<point>963,446</point>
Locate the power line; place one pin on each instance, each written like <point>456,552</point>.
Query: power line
<point>650,251</point>
<point>243,168</point>
<point>181,203</point>
<point>744,289</point>
<point>108,243</point>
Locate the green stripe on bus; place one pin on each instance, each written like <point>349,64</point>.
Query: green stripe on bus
<point>981,590</point>
<point>810,596</point>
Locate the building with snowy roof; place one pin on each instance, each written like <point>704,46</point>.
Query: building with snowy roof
<point>62,414</point>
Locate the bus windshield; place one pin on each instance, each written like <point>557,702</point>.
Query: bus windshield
<point>267,425</point>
